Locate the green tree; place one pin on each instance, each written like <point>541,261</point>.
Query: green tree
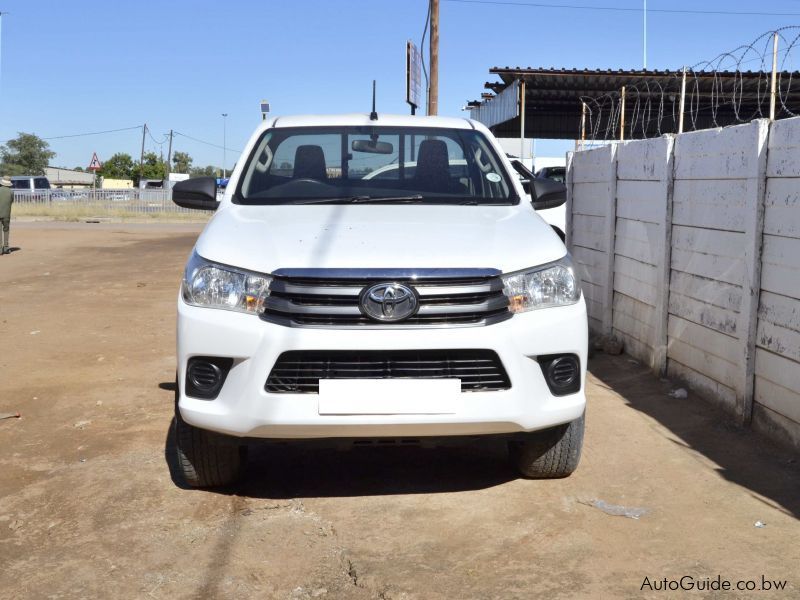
<point>182,162</point>
<point>152,168</point>
<point>27,154</point>
<point>119,166</point>
<point>208,171</point>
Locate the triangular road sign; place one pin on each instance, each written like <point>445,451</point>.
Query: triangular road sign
<point>95,164</point>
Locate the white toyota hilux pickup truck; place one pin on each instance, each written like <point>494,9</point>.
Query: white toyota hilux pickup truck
<point>377,278</point>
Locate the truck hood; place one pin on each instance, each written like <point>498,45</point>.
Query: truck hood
<point>267,238</point>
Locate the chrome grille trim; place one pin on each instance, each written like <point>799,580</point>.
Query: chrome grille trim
<point>381,274</point>
<point>464,298</point>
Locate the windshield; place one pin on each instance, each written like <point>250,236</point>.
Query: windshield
<point>317,165</point>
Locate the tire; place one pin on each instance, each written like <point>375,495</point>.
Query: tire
<point>549,454</point>
<point>206,458</point>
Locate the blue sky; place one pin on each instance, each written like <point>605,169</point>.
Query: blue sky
<point>72,67</point>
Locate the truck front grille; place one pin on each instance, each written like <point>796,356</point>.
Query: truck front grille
<point>467,299</point>
<point>299,371</point>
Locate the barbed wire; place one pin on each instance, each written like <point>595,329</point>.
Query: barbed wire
<point>719,92</point>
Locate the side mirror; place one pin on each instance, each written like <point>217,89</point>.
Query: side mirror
<point>547,193</point>
<point>199,193</point>
<point>526,177</point>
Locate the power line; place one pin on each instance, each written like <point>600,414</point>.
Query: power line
<point>630,9</point>
<point>139,127</point>
<point>204,142</point>
<point>155,141</point>
<point>73,135</point>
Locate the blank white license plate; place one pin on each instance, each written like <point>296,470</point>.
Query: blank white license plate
<point>389,396</point>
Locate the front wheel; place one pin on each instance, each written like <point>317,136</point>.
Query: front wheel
<point>551,453</point>
<point>205,458</point>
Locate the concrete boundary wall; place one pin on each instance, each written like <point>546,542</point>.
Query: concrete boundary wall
<point>687,247</point>
<point>593,178</point>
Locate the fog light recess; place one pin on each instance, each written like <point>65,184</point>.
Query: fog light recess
<point>562,372</point>
<point>205,376</point>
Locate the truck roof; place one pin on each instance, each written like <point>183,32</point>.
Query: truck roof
<point>362,119</point>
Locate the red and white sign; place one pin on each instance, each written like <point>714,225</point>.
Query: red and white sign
<point>95,164</point>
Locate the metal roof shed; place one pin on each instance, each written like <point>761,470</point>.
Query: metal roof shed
<point>554,100</point>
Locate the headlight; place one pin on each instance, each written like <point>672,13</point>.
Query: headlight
<point>218,286</point>
<point>553,284</point>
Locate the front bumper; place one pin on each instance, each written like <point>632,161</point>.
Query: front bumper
<point>244,409</point>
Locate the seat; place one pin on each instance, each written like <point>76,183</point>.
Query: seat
<point>309,163</point>
<point>433,167</point>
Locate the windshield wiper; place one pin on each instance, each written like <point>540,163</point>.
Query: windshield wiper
<point>361,199</point>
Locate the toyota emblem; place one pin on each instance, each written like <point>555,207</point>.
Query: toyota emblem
<point>389,302</point>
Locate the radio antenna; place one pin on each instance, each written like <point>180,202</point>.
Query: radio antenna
<point>373,116</point>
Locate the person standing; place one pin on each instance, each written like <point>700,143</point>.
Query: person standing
<point>6,198</point>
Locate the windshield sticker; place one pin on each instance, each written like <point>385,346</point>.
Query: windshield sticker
<point>493,177</point>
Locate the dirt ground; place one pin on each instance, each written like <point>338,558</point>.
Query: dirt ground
<point>90,506</point>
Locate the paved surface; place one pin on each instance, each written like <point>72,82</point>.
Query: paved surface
<point>90,508</point>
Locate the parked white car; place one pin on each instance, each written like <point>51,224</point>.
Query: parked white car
<point>30,183</point>
<point>322,302</point>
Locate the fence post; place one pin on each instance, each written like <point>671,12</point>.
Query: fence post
<point>583,125</point>
<point>568,221</point>
<point>610,236</point>
<point>747,325</point>
<point>664,254</point>
<point>622,116</point>
<point>683,101</point>
<point>774,84</point>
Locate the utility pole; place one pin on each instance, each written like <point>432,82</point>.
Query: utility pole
<point>169,155</point>
<point>433,92</point>
<point>141,155</point>
<point>224,134</point>
<point>522,119</point>
<point>645,35</point>
<point>1,45</point>
<point>1,41</point>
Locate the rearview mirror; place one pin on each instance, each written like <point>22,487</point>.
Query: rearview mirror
<point>547,193</point>
<point>373,147</point>
<point>199,193</point>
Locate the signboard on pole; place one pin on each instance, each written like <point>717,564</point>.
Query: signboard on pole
<point>95,164</point>
<point>264,110</point>
<point>413,76</point>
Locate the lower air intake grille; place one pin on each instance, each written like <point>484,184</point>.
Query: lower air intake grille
<point>299,372</point>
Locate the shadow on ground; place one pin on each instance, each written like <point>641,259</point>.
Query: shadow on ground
<point>743,457</point>
<point>313,471</point>
<point>320,469</point>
